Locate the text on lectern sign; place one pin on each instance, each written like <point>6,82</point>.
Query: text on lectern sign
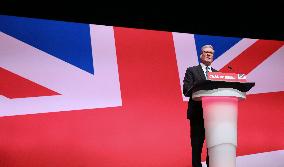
<point>229,77</point>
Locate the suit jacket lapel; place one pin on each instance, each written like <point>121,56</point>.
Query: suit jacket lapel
<point>200,72</point>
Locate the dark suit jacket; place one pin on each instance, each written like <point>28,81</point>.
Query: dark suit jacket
<point>193,76</point>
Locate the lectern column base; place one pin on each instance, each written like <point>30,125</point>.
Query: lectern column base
<point>223,155</point>
<point>220,122</point>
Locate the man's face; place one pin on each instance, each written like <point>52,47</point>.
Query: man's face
<point>207,56</point>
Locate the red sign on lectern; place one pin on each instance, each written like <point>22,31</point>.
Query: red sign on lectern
<point>228,77</point>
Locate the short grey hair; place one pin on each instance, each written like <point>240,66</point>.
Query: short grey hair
<point>206,46</point>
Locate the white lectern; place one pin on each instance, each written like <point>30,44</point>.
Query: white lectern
<point>220,113</point>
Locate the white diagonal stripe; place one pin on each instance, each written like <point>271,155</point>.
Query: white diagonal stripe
<point>186,54</point>
<point>232,53</point>
<point>78,89</point>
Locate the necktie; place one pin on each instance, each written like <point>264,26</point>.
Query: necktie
<point>207,70</point>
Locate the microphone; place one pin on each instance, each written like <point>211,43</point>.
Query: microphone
<point>229,67</point>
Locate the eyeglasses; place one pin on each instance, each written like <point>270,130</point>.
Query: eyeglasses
<point>208,52</point>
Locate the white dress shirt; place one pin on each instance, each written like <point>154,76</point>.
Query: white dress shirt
<point>204,69</point>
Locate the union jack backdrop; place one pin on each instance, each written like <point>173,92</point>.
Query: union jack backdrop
<point>75,94</point>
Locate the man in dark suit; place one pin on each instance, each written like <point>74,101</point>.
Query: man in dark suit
<point>193,76</point>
